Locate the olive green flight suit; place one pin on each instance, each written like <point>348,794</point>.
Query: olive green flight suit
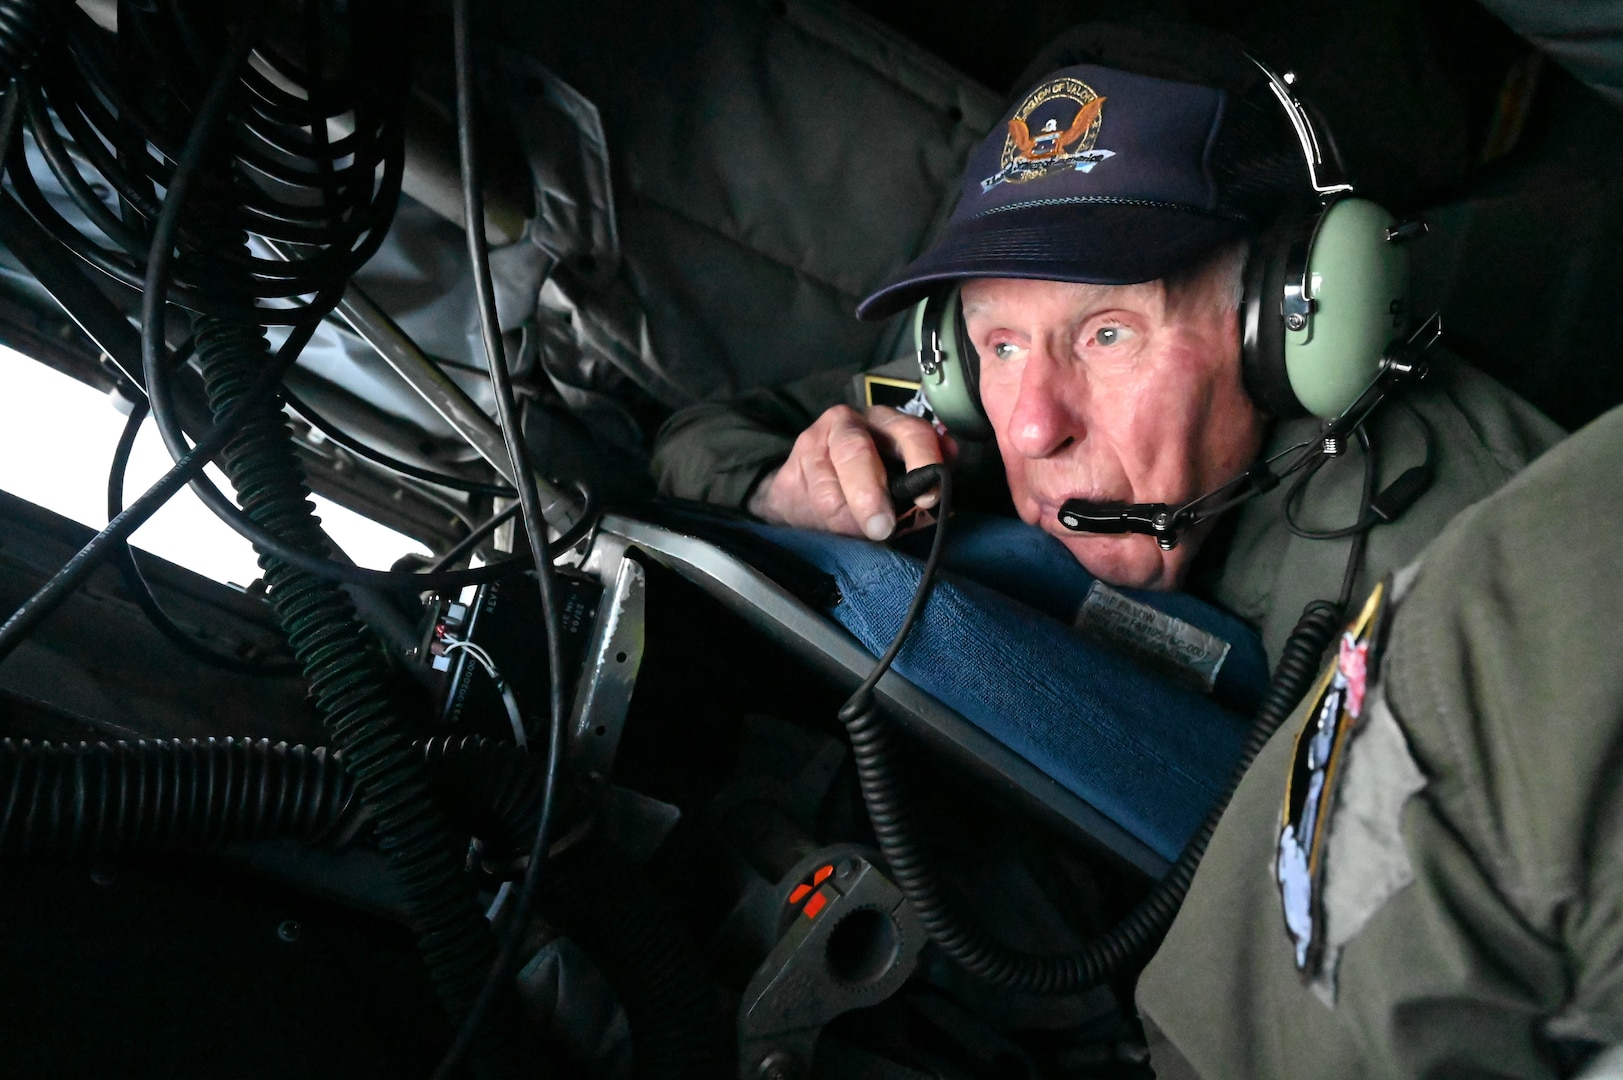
<point>1472,883</point>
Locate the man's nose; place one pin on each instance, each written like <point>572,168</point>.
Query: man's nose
<point>1047,415</point>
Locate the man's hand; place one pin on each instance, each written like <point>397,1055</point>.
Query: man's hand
<point>834,480</point>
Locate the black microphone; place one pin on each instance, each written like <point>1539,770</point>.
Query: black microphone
<point>1162,520</point>
<point>1151,519</point>
<point>1081,515</point>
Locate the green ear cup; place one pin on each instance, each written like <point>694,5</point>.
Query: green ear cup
<point>943,367</point>
<point>1354,308</point>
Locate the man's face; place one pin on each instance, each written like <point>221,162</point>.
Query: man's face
<point>1113,393</point>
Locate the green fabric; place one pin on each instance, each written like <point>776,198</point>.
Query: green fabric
<point>771,165</point>
<point>1504,957</point>
<point>1484,435</point>
<point>716,452</point>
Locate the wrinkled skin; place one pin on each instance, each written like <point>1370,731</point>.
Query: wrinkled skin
<point>834,480</point>
<point>1127,393</point>
<point>1124,393</point>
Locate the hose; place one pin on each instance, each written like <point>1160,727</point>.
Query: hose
<point>964,941</point>
<point>349,681</point>
<point>93,799</point>
<point>135,580</point>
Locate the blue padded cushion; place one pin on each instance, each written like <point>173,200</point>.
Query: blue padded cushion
<point>1150,754</point>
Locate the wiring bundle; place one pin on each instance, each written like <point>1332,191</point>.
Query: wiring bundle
<point>232,166</point>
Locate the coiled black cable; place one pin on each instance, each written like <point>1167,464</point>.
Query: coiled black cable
<point>349,682</point>
<point>347,675</point>
<point>961,939</point>
<point>330,199</point>
<point>156,375</point>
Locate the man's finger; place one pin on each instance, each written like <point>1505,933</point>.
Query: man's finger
<point>856,460</point>
<point>822,504</point>
<point>910,438</point>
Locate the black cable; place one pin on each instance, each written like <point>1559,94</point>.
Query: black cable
<point>1355,554</point>
<point>465,546</point>
<point>960,939</point>
<point>106,543</point>
<point>574,535</point>
<point>1365,519</point>
<point>938,476</point>
<point>535,526</point>
<point>404,468</point>
<point>142,589</point>
<point>157,284</point>
<point>292,183</point>
<point>156,376</point>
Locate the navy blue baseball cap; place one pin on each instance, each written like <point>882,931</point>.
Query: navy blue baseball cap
<point>1096,175</point>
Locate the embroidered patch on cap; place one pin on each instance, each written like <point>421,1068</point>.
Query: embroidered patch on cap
<point>1337,702</point>
<point>1054,128</point>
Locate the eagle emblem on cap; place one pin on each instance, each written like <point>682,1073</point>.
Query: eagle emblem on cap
<point>1067,115</point>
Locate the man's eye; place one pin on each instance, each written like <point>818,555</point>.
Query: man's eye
<point>1005,350</point>
<point>1110,335</point>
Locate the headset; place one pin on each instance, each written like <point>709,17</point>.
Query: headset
<point>1325,300</point>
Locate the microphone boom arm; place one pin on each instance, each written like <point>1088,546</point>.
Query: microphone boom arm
<point>1403,363</point>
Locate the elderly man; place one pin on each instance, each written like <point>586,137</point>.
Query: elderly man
<point>1466,920</point>
<point>1101,283</point>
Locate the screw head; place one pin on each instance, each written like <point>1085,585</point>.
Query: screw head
<point>1295,322</point>
<point>289,931</point>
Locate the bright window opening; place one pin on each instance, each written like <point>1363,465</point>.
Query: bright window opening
<point>57,437</point>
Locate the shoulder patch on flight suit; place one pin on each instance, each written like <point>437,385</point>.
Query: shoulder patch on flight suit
<point>1335,706</point>
<point>1366,861</point>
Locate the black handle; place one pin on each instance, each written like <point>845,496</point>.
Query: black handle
<point>905,487</point>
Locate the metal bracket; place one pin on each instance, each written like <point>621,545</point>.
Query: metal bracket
<point>931,357</point>
<point>1305,134</point>
<point>613,656</point>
